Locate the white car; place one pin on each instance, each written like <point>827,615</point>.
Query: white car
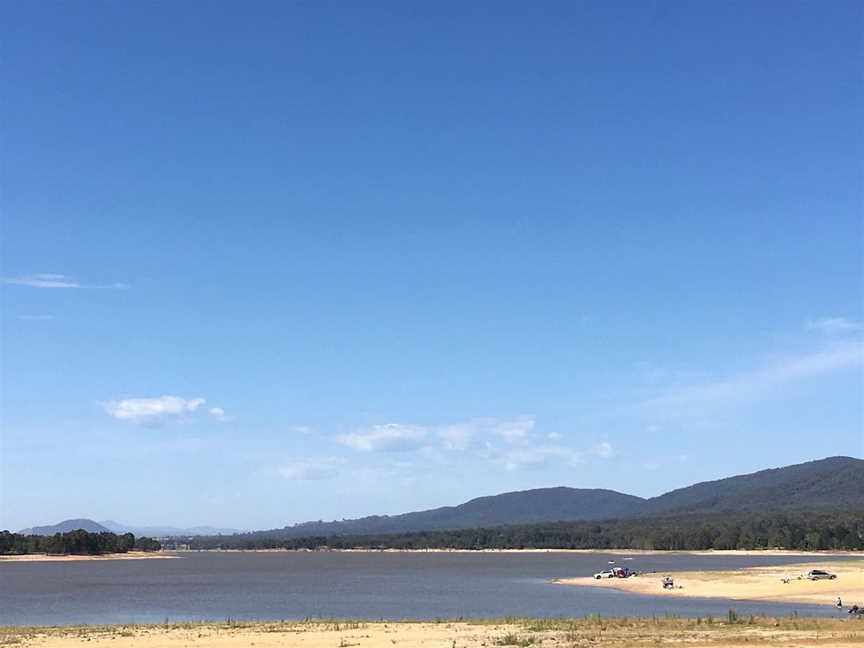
<point>606,573</point>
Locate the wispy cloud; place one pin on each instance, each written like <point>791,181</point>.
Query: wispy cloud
<point>538,455</point>
<point>534,454</point>
<point>459,436</point>
<point>603,450</point>
<point>219,414</point>
<point>389,437</point>
<point>518,428</point>
<point>44,280</point>
<point>835,325</point>
<point>53,280</point>
<point>756,383</point>
<point>152,410</point>
<point>510,443</point>
<point>312,468</point>
<point>305,430</point>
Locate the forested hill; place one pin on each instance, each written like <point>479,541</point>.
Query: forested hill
<point>65,527</point>
<point>839,530</point>
<point>78,542</point>
<point>826,485</point>
<point>833,484</point>
<point>521,507</point>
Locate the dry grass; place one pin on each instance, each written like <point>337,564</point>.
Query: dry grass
<point>519,633</point>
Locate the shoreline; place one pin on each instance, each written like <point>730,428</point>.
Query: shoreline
<point>515,633</point>
<point>132,555</point>
<point>775,584</point>
<point>179,553</point>
<point>621,552</point>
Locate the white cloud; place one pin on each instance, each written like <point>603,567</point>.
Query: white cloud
<point>53,280</point>
<point>517,458</point>
<point>756,383</point>
<point>603,450</point>
<point>152,410</point>
<point>483,431</point>
<point>44,280</point>
<point>311,468</point>
<point>835,325</point>
<point>390,437</point>
<point>457,436</point>
<point>217,413</point>
<point>511,443</point>
<point>514,429</point>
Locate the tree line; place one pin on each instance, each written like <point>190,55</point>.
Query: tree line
<point>801,531</point>
<point>78,542</point>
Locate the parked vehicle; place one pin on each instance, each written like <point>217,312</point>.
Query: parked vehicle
<point>615,572</point>
<point>606,573</point>
<point>820,574</point>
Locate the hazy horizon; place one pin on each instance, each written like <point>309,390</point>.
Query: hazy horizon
<point>271,264</point>
<point>227,525</point>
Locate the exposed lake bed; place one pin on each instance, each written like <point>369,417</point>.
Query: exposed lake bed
<point>518,633</point>
<point>776,583</point>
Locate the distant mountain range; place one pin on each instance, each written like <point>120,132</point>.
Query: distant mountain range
<point>165,531</point>
<point>832,484</point>
<point>116,527</point>
<point>64,527</point>
<point>520,507</point>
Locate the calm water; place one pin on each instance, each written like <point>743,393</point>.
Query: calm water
<point>213,586</point>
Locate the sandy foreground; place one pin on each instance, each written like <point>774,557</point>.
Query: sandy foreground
<point>751,584</point>
<point>132,555</point>
<point>704,633</point>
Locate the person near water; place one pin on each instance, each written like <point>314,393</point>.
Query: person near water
<point>839,603</point>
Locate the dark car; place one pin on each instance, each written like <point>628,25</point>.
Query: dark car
<point>820,574</point>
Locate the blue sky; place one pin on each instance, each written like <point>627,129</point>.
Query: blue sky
<point>271,262</point>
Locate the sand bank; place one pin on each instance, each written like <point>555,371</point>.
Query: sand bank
<point>132,555</point>
<point>827,633</point>
<point>751,584</point>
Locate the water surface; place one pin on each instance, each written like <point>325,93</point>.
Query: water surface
<point>287,585</point>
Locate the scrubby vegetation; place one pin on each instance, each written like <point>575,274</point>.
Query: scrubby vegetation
<point>78,542</point>
<point>802,531</point>
<point>475,633</point>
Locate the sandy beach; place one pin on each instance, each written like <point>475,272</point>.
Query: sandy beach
<point>614,633</point>
<point>752,584</point>
<point>132,555</point>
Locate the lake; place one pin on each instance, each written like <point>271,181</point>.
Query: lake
<point>286,585</point>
